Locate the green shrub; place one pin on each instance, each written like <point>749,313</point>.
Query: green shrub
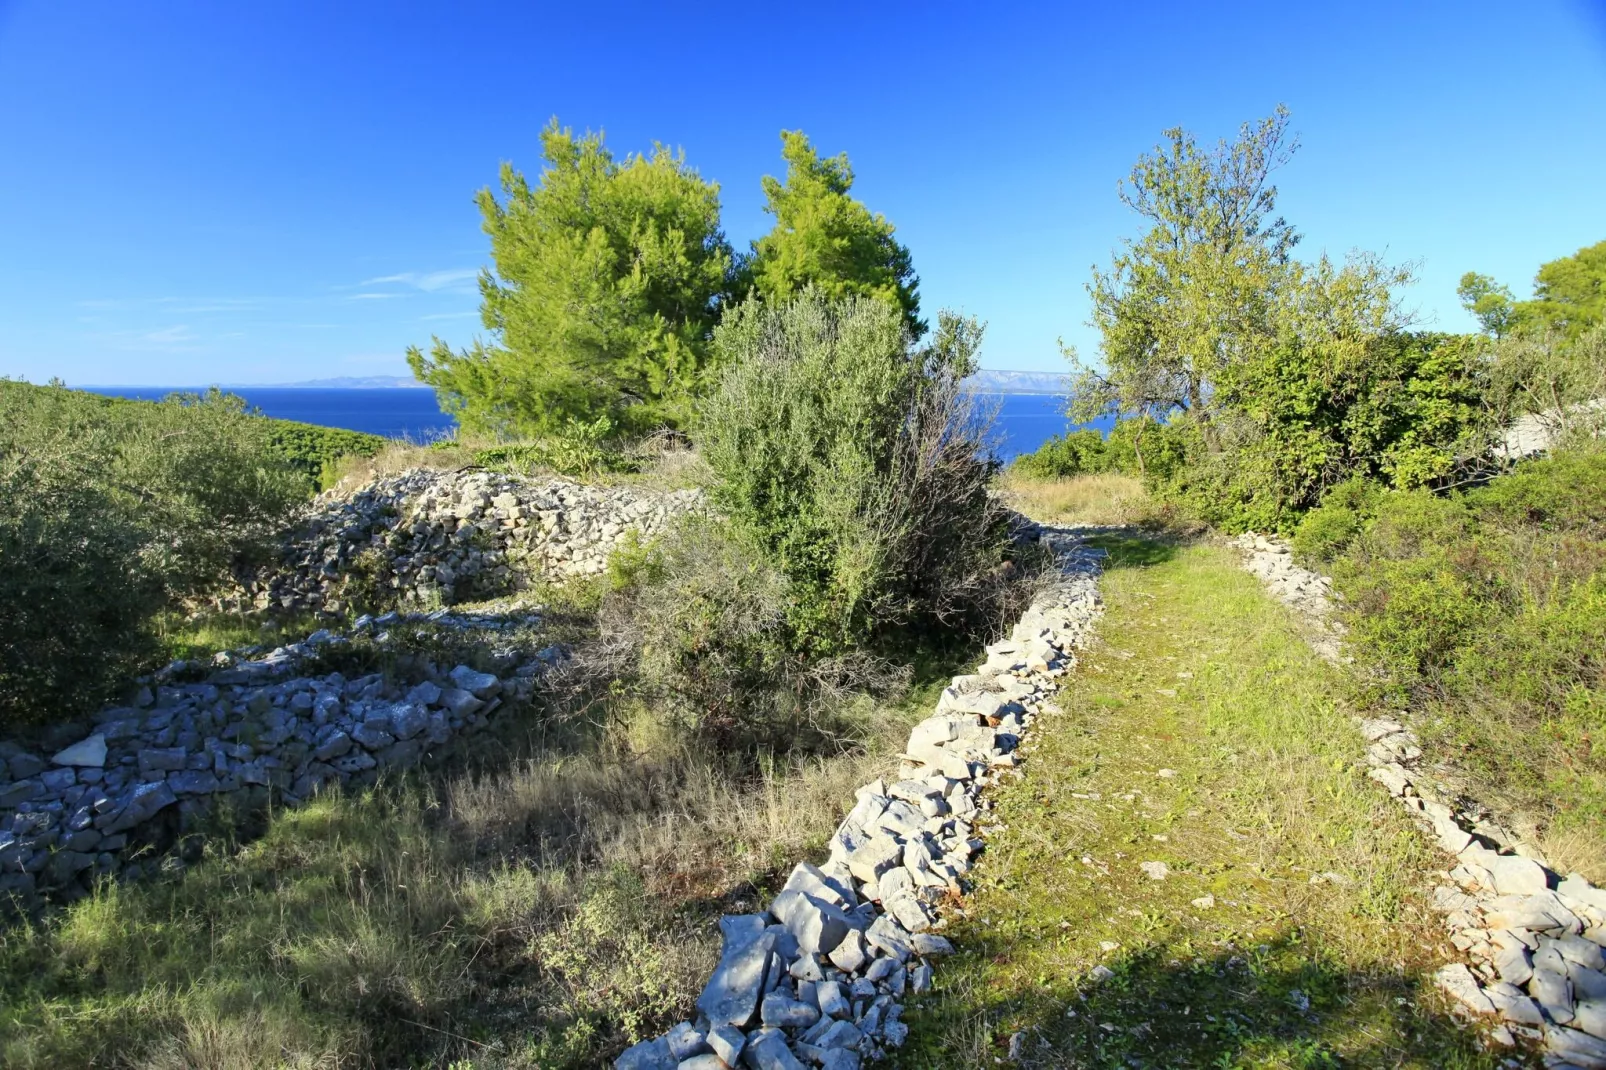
<point>1327,531</point>
<point>1071,454</point>
<point>1136,447</point>
<point>1486,611</point>
<point>852,463</point>
<point>109,512</point>
<point>708,620</point>
<point>578,448</point>
<point>78,601</point>
<point>313,450</point>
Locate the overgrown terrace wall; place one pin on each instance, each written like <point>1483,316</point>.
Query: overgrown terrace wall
<point>818,979</point>
<point>260,731</point>
<point>438,538</point>
<point>1533,939</point>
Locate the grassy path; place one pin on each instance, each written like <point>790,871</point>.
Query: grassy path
<point>1285,924</point>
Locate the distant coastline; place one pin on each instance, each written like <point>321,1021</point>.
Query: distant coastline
<point>1025,418</point>
<point>986,381</point>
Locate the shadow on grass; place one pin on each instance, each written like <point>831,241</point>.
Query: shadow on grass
<point>1277,1004</point>
<point>1134,551</point>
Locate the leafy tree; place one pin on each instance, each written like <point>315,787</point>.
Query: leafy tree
<point>1487,300</point>
<point>1192,297</point>
<point>1569,294</point>
<point>1340,390</point>
<point>826,239</point>
<point>609,279</point>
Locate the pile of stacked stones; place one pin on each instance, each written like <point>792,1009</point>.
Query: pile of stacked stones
<point>818,978</point>
<point>428,537</point>
<point>1534,939</point>
<point>253,732</point>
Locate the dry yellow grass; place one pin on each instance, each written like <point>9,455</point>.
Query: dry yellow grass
<point>1106,500</point>
<point>399,455</point>
<point>540,910</point>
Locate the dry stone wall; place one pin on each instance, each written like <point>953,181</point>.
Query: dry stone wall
<point>267,728</point>
<point>1533,939</point>
<point>818,979</point>
<point>439,538</point>
<point>256,731</point>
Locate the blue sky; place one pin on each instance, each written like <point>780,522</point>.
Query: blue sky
<point>205,192</point>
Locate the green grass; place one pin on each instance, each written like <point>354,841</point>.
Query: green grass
<point>540,905</point>
<point>200,636</point>
<point>1199,674</point>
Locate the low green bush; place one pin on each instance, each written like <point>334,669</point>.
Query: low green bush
<point>1330,528</point>
<point>708,620</point>
<point>1487,610</point>
<point>314,451</point>
<point>851,462</point>
<point>1135,447</point>
<point>1072,454</point>
<point>110,512</point>
<point>579,448</point>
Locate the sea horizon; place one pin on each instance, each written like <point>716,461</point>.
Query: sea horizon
<point>1024,421</point>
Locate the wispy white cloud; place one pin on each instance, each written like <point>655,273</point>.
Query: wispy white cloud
<point>175,305</point>
<point>371,297</point>
<point>448,316</point>
<point>178,338</point>
<point>177,335</point>
<point>450,281</point>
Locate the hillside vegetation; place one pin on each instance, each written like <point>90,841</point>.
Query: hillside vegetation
<point>1193,868</point>
<point>1485,612</point>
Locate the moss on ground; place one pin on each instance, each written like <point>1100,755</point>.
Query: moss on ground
<point>1290,928</point>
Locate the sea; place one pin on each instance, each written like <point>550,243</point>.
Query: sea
<point>1021,422</point>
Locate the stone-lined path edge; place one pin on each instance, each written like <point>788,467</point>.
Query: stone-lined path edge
<point>1532,939</point>
<point>818,979</point>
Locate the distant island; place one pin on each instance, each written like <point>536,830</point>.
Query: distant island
<point>353,382</point>
<point>986,381</point>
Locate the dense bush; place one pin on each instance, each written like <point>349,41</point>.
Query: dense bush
<point>853,463</point>
<point>1279,378</point>
<point>576,448</point>
<point>1074,453</point>
<point>1135,447</point>
<point>314,451</point>
<point>707,619</point>
<point>1487,610</point>
<point>108,513</point>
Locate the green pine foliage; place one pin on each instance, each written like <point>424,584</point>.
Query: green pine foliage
<point>609,279</point>
<point>826,239</point>
<point>1569,294</point>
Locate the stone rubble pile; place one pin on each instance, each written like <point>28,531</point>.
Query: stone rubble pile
<point>256,731</point>
<point>1534,939</point>
<point>429,537</point>
<point>818,979</point>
